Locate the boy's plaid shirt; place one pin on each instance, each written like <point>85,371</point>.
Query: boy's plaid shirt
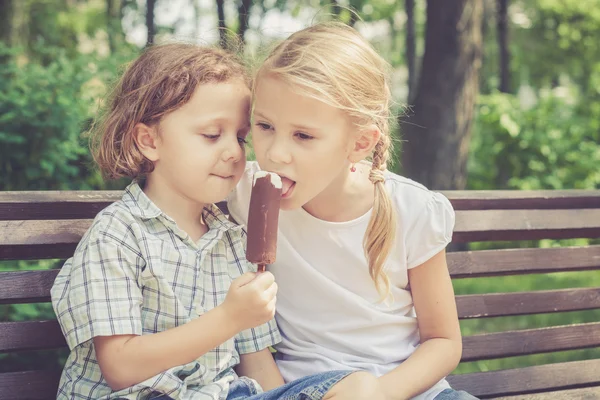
<point>135,272</point>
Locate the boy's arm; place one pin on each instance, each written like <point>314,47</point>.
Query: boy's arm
<point>261,367</point>
<point>441,344</point>
<point>126,360</point>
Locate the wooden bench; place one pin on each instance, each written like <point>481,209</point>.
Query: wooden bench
<point>48,225</point>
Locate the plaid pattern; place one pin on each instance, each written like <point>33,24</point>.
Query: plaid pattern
<point>135,272</point>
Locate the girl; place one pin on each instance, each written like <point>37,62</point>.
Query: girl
<point>361,251</point>
<point>158,300</point>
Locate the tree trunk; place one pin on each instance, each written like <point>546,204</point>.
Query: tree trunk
<point>411,61</point>
<point>150,21</point>
<point>113,24</point>
<point>437,136</point>
<point>197,13</point>
<point>222,26</point>
<point>6,15</point>
<point>353,19</point>
<point>335,8</point>
<point>243,18</point>
<point>502,15</point>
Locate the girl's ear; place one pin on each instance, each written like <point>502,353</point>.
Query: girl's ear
<point>147,140</point>
<point>364,143</point>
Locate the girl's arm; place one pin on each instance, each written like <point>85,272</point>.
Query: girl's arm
<point>126,360</point>
<point>261,367</point>
<point>441,342</point>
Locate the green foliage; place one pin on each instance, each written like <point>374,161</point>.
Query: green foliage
<point>552,144</point>
<point>43,111</point>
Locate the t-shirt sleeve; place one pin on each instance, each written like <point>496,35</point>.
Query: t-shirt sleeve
<point>431,231</point>
<point>97,293</point>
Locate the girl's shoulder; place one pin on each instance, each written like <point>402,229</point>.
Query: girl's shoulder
<point>425,218</point>
<point>412,196</point>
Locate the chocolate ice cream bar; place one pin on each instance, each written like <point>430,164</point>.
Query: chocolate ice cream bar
<point>263,217</point>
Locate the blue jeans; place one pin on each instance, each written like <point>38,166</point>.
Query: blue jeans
<point>451,394</point>
<point>312,387</point>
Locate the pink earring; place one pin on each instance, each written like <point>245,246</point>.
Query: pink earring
<point>352,168</point>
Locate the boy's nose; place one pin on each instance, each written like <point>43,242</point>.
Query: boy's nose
<point>234,151</point>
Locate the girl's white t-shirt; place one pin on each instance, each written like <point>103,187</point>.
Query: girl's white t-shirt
<point>327,305</point>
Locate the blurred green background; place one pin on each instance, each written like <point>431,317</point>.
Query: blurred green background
<point>535,123</point>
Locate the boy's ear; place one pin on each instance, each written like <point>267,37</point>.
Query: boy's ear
<point>364,143</point>
<point>146,138</point>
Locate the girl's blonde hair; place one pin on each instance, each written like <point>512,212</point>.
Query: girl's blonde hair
<point>333,63</point>
<point>158,82</point>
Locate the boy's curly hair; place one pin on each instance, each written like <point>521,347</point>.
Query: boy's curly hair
<point>158,82</point>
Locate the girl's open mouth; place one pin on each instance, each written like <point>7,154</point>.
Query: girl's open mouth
<point>287,187</point>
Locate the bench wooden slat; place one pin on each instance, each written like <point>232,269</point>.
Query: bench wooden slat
<point>522,199</point>
<point>37,239</point>
<point>29,385</point>
<point>54,204</point>
<point>531,341</point>
<point>34,335</point>
<point>590,393</point>
<point>29,205</point>
<point>472,226</point>
<point>523,303</point>
<point>34,287</point>
<point>31,240</point>
<point>30,335</point>
<point>474,264</point>
<point>26,286</point>
<point>539,378</point>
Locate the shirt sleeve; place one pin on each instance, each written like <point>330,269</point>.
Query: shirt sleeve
<point>97,292</point>
<point>258,338</point>
<point>432,230</point>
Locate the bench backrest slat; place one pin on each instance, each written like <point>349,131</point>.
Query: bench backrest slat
<point>530,341</point>
<point>26,286</point>
<point>490,225</point>
<point>41,385</point>
<point>86,204</point>
<point>30,335</point>
<point>524,303</point>
<point>540,378</point>
<point>474,264</point>
<point>33,335</point>
<point>39,239</point>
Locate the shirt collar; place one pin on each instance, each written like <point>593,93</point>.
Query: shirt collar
<point>141,206</point>
<point>138,203</point>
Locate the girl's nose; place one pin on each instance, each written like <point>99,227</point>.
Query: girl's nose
<point>278,152</point>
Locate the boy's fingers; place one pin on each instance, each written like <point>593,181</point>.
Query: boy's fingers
<point>271,291</point>
<point>244,279</point>
<point>264,280</point>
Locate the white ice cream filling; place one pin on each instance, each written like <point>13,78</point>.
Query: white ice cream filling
<point>273,178</point>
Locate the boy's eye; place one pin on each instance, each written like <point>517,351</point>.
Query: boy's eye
<point>303,136</point>
<point>211,136</point>
<point>242,141</point>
